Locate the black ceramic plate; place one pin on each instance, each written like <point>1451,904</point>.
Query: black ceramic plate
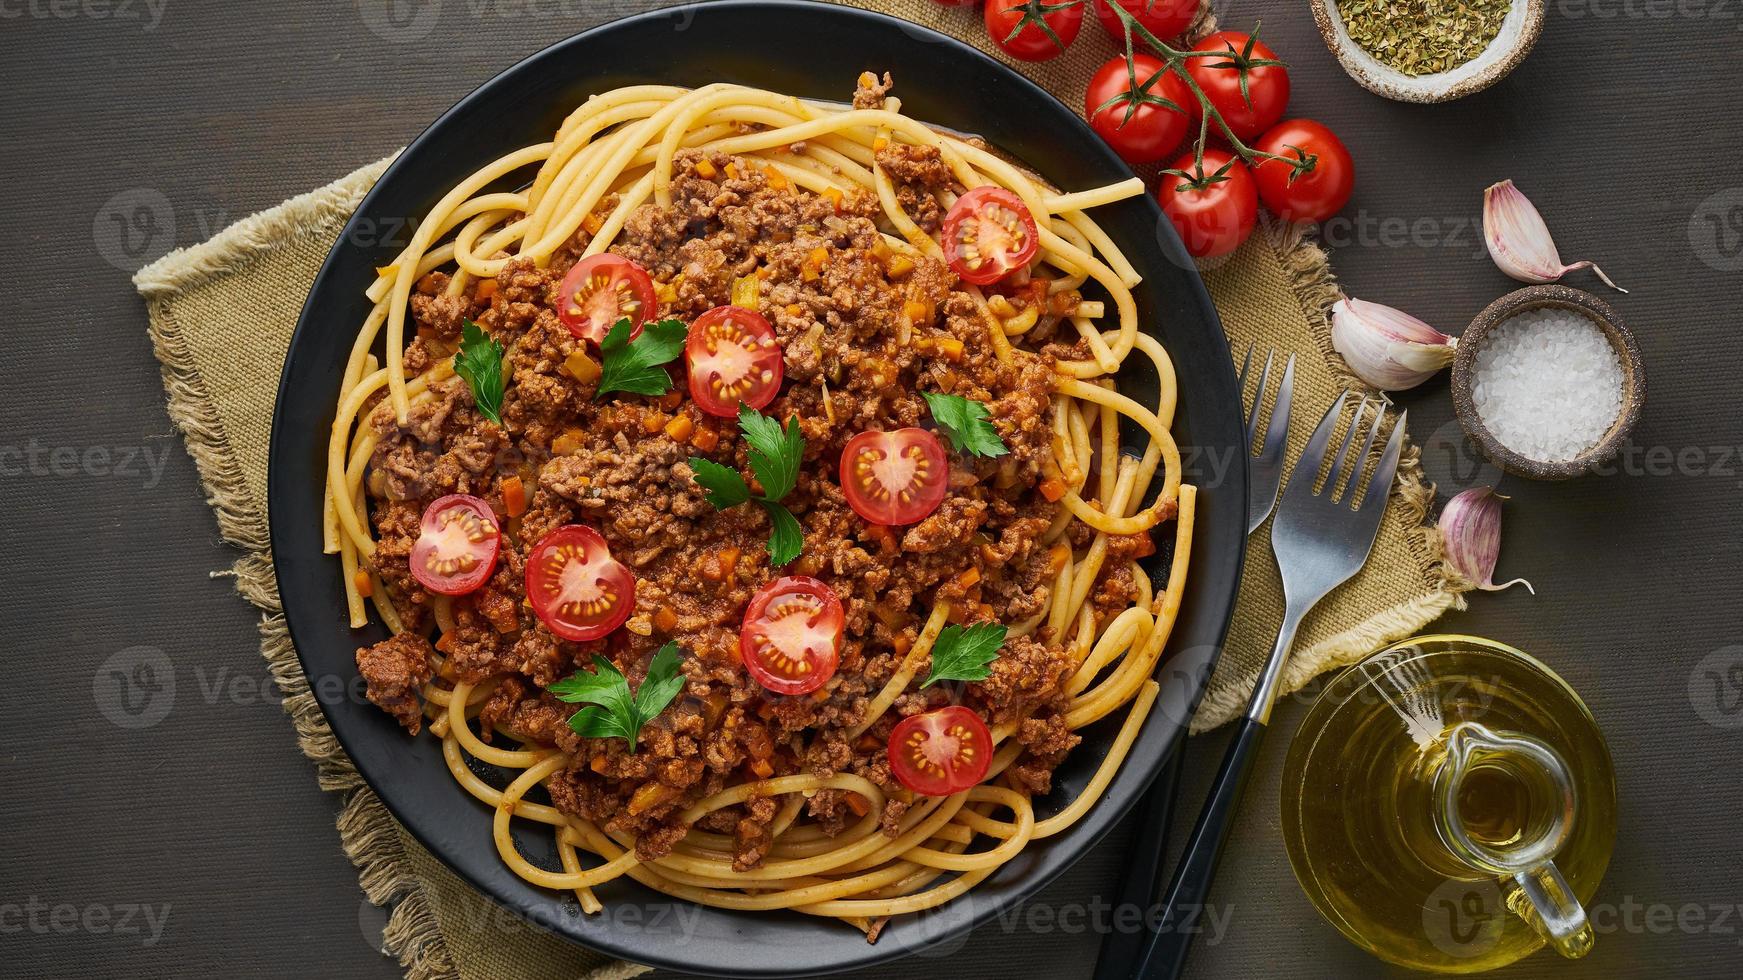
<point>813,50</point>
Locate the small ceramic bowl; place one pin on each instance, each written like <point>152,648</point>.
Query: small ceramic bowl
<point>1518,33</point>
<point>1536,298</point>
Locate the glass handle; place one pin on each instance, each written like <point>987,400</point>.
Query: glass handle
<point>1554,911</point>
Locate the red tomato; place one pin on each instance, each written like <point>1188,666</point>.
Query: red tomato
<point>987,233</point>
<point>457,544</point>
<point>1163,18</point>
<point>1220,78</point>
<point>577,590</point>
<point>941,752</point>
<point>602,290</point>
<point>1151,131</point>
<point>1016,27</point>
<point>894,477</point>
<point>733,358</point>
<point>1217,218</point>
<point>1309,191</point>
<point>791,637</point>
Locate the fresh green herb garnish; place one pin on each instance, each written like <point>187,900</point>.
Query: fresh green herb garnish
<point>775,451</point>
<point>965,653</point>
<point>480,363</point>
<point>638,366</point>
<point>613,712</point>
<point>964,422</point>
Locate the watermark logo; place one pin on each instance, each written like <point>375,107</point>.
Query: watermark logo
<point>1716,230</point>
<point>1716,688</point>
<point>1452,460</point>
<point>400,21</point>
<point>135,688</point>
<point>134,228</point>
<point>1464,919</point>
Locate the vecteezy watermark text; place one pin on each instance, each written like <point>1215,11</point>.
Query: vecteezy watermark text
<point>41,917</point>
<point>147,13</point>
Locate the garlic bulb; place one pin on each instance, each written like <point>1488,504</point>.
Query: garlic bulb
<point>1470,527</point>
<point>1387,348</point>
<point>1518,239</point>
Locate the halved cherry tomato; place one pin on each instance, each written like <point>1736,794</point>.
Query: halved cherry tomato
<point>791,637</point>
<point>457,545</point>
<point>1311,193</point>
<point>1139,131</point>
<point>576,588</point>
<point>1251,109</point>
<point>733,358</point>
<point>1016,26</point>
<point>894,477</point>
<point>601,290</point>
<point>987,233</point>
<point>941,752</point>
<point>1216,218</point>
<point>1163,18</point>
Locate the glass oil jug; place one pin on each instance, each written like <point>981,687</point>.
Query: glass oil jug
<point>1449,805</point>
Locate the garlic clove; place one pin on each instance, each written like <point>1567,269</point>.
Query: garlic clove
<point>1470,529</point>
<point>1387,348</point>
<point>1519,240</point>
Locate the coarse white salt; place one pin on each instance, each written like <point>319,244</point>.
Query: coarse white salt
<point>1547,383</point>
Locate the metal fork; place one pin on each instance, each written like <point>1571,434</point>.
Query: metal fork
<point>1146,855</point>
<point>1321,537</point>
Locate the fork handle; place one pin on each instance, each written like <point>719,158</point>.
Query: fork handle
<point>1185,905</point>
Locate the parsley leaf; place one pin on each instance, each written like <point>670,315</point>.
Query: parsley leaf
<point>638,366</point>
<point>965,654</point>
<point>613,712</point>
<point>726,488</point>
<point>774,450</point>
<point>786,537</point>
<point>965,424</point>
<point>480,363</point>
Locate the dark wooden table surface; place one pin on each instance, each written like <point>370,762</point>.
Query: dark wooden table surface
<point>201,845</point>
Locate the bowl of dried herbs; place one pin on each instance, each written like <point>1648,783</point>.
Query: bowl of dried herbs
<point>1429,50</point>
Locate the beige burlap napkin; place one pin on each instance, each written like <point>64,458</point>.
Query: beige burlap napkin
<point>221,315</point>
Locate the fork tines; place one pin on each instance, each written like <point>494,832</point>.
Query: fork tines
<point>1356,467</point>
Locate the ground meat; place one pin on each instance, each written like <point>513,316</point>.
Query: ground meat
<point>395,670</point>
<point>864,330</point>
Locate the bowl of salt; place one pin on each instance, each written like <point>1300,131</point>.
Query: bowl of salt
<point>1548,382</point>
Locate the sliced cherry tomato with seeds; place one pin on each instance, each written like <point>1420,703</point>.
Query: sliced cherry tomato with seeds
<point>791,636</point>
<point>894,477</point>
<point>941,752</point>
<point>576,588</point>
<point>733,358</point>
<point>987,233</point>
<point>601,290</point>
<point>457,545</point>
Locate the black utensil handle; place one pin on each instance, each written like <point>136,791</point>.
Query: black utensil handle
<point>1184,906</point>
<point>1142,881</point>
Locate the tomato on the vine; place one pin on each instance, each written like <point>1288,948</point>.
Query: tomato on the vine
<point>1317,185</point>
<point>1033,30</point>
<point>1135,122</point>
<point>1213,211</point>
<point>1164,18</point>
<point>1249,108</point>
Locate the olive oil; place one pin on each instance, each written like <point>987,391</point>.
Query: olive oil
<point>1368,773</point>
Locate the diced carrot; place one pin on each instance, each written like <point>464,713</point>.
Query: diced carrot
<point>705,170</point>
<point>950,349</point>
<point>858,804</point>
<point>820,255</point>
<point>446,643</point>
<point>902,644</point>
<point>365,584</point>
<point>835,196</point>
<point>592,223</point>
<point>705,439</point>
<point>721,565</point>
<point>1053,489</point>
<point>650,795</point>
<point>599,764</point>
<point>568,442</point>
<point>917,311</point>
<point>654,422</point>
<point>1057,556</point>
<point>581,367</point>
<point>665,620</point>
<point>899,266</point>
<point>778,180</point>
<point>732,171</point>
<point>486,289</point>
<point>879,144</point>
<point>969,578</point>
<point>671,399</point>
<point>762,768</point>
<point>680,427</point>
<point>986,611</point>
<point>794,309</point>
<point>514,496</point>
